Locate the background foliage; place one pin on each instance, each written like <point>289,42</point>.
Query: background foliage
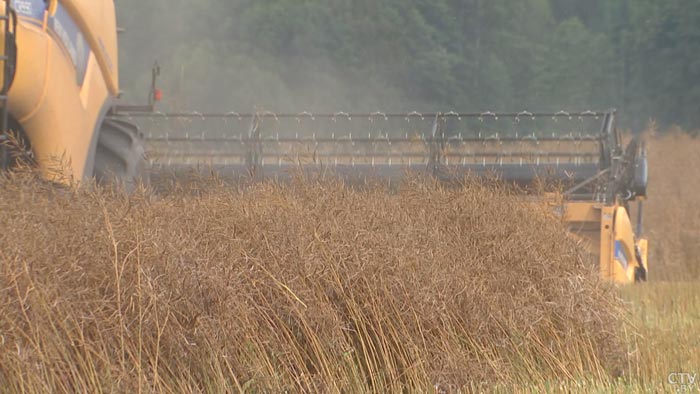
<point>325,55</point>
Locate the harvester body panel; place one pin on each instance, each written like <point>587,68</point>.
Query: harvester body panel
<point>66,77</point>
<point>609,233</point>
<point>624,246</point>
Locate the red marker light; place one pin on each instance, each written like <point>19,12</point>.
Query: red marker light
<point>157,95</point>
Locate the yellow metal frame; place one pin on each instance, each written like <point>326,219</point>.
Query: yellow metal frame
<point>3,9</point>
<point>52,6</point>
<point>60,116</point>
<point>614,230</point>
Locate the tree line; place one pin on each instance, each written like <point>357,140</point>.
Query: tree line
<point>639,56</point>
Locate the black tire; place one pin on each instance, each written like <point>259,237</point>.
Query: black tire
<point>120,157</point>
<point>640,272</point>
<point>640,275</point>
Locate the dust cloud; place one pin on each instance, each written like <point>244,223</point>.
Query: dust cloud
<point>208,65</point>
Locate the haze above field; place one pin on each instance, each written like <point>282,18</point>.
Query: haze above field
<point>365,55</point>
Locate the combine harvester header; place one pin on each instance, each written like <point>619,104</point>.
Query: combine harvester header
<point>581,152</point>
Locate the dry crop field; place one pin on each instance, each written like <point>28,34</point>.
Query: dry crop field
<point>312,286</point>
<point>673,210</point>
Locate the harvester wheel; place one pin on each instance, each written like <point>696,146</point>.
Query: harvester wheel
<point>640,274</point>
<point>120,157</point>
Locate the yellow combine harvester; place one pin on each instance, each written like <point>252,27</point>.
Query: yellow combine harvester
<point>58,97</point>
<point>60,80</point>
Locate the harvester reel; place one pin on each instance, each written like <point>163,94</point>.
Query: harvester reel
<point>120,157</point>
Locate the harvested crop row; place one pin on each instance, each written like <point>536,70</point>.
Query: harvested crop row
<point>305,287</point>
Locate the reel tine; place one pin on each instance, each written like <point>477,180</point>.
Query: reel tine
<point>343,114</point>
<point>377,114</point>
<point>303,115</point>
<point>454,115</point>
<point>414,114</point>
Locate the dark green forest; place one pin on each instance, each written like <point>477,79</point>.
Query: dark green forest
<point>641,56</point>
